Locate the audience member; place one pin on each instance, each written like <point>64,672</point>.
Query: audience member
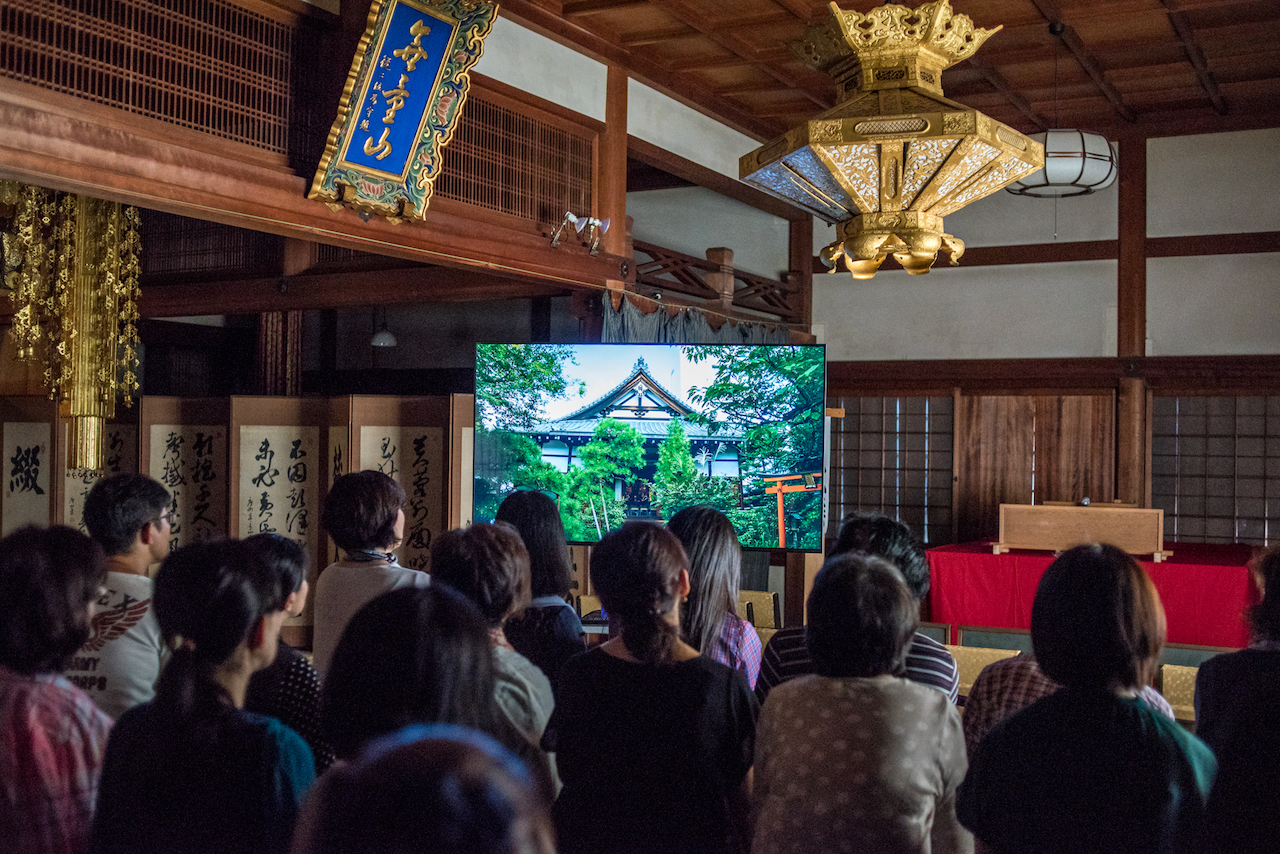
<point>288,689</point>
<point>120,662</point>
<point>786,656</point>
<point>709,620</point>
<point>191,771</point>
<point>1090,767</point>
<point>856,754</point>
<point>51,734</point>
<point>364,514</point>
<point>1238,715</point>
<point>653,741</point>
<point>489,565</point>
<point>549,631</point>
<point>437,789</point>
<point>1011,684</point>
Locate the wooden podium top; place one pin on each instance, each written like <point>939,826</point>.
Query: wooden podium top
<point>1136,530</point>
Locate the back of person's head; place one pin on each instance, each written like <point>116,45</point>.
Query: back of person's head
<point>861,617</point>
<point>635,569</point>
<point>413,655</point>
<point>208,598</point>
<point>428,790</point>
<point>878,535</point>
<point>1264,618</point>
<point>488,564</point>
<point>48,577</point>
<point>119,506</point>
<point>360,510</point>
<point>1097,621</point>
<point>537,519</point>
<point>287,561</point>
<point>715,574</point>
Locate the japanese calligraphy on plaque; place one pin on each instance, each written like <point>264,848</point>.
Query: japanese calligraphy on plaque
<point>403,97</point>
<point>191,462</point>
<point>280,482</point>
<point>26,485</point>
<point>414,458</point>
<point>121,455</point>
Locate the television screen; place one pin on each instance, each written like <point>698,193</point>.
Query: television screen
<point>638,431</point>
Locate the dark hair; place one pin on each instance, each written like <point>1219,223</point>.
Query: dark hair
<point>486,563</point>
<point>360,510</point>
<point>119,506</point>
<point>287,561</point>
<point>1097,619</point>
<point>635,569</point>
<point>878,535</point>
<point>48,577</point>
<point>429,789</point>
<point>861,617</point>
<point>1264,618</point>
<point>208,597</point>
<point>537,519</point>
<point>715,574</point>
<point>413,655</point>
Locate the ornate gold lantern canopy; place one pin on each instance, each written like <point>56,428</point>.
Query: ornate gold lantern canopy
<point>71,271</point>
<point>894,156</point>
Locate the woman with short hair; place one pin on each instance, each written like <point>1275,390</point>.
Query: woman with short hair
<point>52,735</point>
<point>1090,767</point>
<point>652,740</point>
<point>856,753</point>
<point>709,620</point>
<point>364,514</point>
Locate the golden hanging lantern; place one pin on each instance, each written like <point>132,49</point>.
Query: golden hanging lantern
<point>893,157</point>
<point>71,268</point>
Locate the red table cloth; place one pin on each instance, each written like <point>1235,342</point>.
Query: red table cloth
<point>1205,589</point>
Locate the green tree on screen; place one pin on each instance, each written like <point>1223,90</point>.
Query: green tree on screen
<point>514,383</point>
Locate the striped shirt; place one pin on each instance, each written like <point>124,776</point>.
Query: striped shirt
<point>786,656</point>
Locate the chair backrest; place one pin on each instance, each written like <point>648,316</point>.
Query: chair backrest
<point>1190,655</point>
<point>587,604</point>
<point>940,632</point>
<point>759,608</point>
<point>971,659</point>
<point>1178,684</point>
<point>993,637</point>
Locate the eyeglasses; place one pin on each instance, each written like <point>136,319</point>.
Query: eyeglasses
<point>166,516</point>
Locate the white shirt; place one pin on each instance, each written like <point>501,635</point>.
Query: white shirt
<point>344,588</point>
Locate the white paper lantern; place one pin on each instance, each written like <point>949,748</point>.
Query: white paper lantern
<point>1076,163</point>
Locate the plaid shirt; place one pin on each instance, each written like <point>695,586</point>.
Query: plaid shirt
<point>1008,686</point>
<point>739,636</point>
<point>51,741</point>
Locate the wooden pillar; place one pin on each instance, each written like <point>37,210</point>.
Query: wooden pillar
<point>1131,323</point>
<point>720,280</point>
<point>279,353</point>
<point>585,305</point>
<point>800,269</point>
<point>611,194</point>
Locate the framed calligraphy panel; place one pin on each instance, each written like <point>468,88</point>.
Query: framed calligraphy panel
<point>403,96</point>
<point>121,455</point>
<point>191,461</point>
<point>414,458</point>
<point>280,482</point>
<point>28,459</point>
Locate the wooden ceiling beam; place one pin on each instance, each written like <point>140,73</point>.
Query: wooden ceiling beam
<point>659,36</point>
<point>1182,26</point>
<point>1051,13</point>
<point>803,10</point>
<point>588,7</point>
<point>997,81</point>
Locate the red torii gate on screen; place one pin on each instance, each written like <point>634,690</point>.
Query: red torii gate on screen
<point>781,484</point>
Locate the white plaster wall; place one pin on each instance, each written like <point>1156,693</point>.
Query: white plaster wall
<point>669,124</point>
<point>1213,183</point>
<point>534,63</point>
<point>1216,305</point>
<point>1007,312</point>
<point>693,219</point>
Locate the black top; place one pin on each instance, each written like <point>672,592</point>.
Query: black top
<point>548,634</point>
<point>289,691</point>
<point>1238,715</point>
<point>649,754</point>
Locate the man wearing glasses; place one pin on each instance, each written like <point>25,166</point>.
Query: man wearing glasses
<point>128,515</point>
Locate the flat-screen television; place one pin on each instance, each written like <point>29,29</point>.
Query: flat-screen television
<point>614,432</point>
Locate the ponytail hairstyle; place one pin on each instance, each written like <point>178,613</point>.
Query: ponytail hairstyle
<point>208,598</point>
<point>636,571</point>
<point>715,575</point>
<point>1264,618</point>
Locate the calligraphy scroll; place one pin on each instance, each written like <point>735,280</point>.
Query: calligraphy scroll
<point>191,462</point>
<point>280,483</point>
<point>339,464</point>
<point>27,461</point>
<point>121,456</point>
<point>414,458</point>
<point>402,101</point>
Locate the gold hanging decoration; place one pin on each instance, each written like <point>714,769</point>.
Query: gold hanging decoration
<point>71,269</point>
<point>893,157</point>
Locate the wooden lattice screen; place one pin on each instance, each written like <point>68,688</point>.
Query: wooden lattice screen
<point>201,64</point>
<point>178,249</point>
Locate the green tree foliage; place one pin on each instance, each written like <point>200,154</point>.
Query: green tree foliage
<point>615,453</point>
<point>679,484</point>
<point>514,382</point>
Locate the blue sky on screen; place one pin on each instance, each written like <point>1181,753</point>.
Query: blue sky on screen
<point>603,366</point>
